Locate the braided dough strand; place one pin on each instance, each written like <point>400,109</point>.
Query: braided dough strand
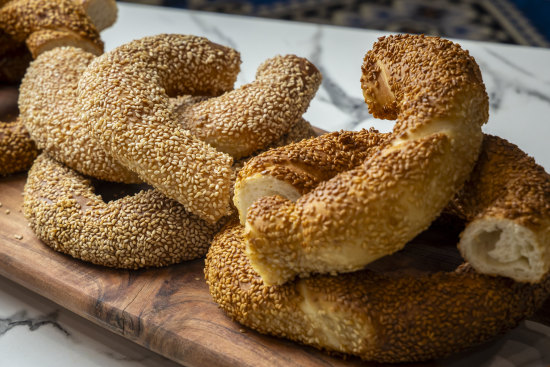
<point>377,207</point>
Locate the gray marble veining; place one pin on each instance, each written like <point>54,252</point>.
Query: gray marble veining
<point>21,318</point>
<point>354,108</point>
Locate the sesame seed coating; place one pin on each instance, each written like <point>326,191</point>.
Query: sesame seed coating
<point>125,97</point>
<point>506,202</point>
<point>299,131</point>
<point>19,19</point>
<point>387,317</point>
<point>17,150</point>
<point>249,118</point>
<point>49,109</point>
<point>143,230</point>
<point>434,90</point>
<point>305,164</point>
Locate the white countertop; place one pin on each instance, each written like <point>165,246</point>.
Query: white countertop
<point>35,331</point>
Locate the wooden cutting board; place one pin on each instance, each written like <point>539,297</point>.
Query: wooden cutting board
<point>167,310</point>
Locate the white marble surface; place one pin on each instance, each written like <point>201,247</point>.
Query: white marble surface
<point>35,331</point>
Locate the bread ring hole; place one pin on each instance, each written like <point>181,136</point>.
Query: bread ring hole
<point>8,103</point>
<point>111,191</point>
<point>432,251</point>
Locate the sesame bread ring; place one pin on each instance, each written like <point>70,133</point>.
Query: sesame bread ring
<point>434,90</point>
<point>506,203</point>
<point>379,316</point>
<point>249,118</point>
<point>43,25</point>
<point>143,230</point>
<point>49,110</point>
<point>125,97</point>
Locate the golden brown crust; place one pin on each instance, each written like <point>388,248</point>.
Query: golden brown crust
<point>124,96</point>
<point>385,317</point>
<point>442,73</point>
<point>249,118</point>
<point>143,230</point>
<point>307,163</point>
<point>48,106</point>
<point>505,183</point>
<point>504,204</point>
<point>304,165</point>
<point>299,131</point>
<point>375,208</point>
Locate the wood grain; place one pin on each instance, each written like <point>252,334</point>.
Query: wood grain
<point>167,310</point>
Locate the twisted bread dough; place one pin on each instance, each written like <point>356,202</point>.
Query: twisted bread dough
<point>157,138</point>
<point>143,230</point>
<point>249,118</point>
<point>386,317</point>
<point>375,208</point>
<point>49,110</point>
<point>506,203</point>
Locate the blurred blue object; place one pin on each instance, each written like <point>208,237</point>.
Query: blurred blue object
<point>523,22</point>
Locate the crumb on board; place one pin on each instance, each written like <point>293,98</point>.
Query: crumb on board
<point>18,237</point>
